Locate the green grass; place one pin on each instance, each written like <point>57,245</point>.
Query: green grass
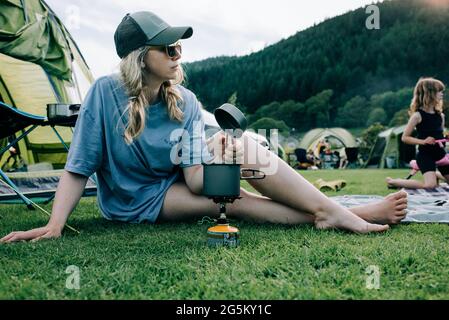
<point>172,261</point>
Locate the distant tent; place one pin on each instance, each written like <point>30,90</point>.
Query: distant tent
<point>389,151</point>
<point>338,138</point>
<point>39,64</point>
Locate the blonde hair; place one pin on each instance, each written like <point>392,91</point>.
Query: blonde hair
<point>132,76</point>
<point>425,94</point>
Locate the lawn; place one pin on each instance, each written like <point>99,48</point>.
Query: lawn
<point>172,261</point>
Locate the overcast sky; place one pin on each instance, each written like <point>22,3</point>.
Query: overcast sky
<point>220,27</point>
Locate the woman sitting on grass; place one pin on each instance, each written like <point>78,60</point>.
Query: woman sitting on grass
<point>124,134</point>
<point>428,118</point>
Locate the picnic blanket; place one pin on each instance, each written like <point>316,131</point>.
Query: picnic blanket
<point>441,192</point>
<point>424,205</point>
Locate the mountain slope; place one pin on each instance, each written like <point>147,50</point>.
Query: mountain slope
<point>339,54</point>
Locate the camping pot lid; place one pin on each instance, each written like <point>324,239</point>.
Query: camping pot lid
<point>229,116</point>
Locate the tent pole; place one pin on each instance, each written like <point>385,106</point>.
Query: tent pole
<point>17,139</point>
<point>16,190</point>
<point>60,138</point>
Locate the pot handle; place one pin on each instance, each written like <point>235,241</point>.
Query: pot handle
<point>253,177</point>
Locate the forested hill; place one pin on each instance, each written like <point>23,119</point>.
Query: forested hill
<point>339,56</point>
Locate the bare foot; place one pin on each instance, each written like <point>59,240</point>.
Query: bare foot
<point>391,210</point>
<point>389,180</point>
<point>347,220</point>
<point>390,183</point>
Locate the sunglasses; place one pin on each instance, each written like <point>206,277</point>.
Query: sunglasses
<point>172,50</point>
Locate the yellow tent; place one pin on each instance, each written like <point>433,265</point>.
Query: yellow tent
<point>29,82</point>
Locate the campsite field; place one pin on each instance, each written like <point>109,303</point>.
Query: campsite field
<point>171,261</point>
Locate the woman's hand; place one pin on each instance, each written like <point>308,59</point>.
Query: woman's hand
<point>429,141</point>
<point>46,232</point>
<point>234,152</point>
<point>226,151</point>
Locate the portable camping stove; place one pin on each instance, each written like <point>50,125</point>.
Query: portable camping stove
<point>222,234</point>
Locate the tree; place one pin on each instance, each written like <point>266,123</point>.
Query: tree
<point>233,100</point>
<point>392,102</point>
<point>400,118</point>
<point>349,116</point>
<point>292,113</point>
<point>369,137</point>
<point>377,115</point>
<point>270,123</point>
<point>318,107</point>
<point>268,111</point>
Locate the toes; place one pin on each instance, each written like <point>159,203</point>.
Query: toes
<point>376,228</point>
<point>403,194</point>
<point>398,219</point>
<point>400,195</point>
<point>401,213</point>
<point>400,202</point>
<point>389,196</point>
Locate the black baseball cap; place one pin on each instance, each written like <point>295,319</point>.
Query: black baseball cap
<point>145,28</point>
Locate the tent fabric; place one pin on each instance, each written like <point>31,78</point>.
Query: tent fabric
<point>31,91</point>
<point>39,64</point>
<point>30,31</point>
<point>389,151</point>
<point>314,136</point>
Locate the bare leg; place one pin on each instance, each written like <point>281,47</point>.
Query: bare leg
<point>289,188</point>
<point>430,181</point>
<point>390,210</point>
<point>181,204</point>
<point>446,178</point>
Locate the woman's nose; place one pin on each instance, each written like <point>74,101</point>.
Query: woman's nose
<point>178,52</point>
<point>177,57</point>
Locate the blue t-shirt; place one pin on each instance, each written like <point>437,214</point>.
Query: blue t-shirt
<point>132,180</point>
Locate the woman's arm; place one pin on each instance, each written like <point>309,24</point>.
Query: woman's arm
<point>68,193</point>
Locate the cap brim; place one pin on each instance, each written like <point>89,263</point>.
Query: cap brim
<point>171,35</point>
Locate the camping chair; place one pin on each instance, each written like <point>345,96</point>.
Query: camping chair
<point>301,157</point>
<point>12,121</point>
<point>352,156</point>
